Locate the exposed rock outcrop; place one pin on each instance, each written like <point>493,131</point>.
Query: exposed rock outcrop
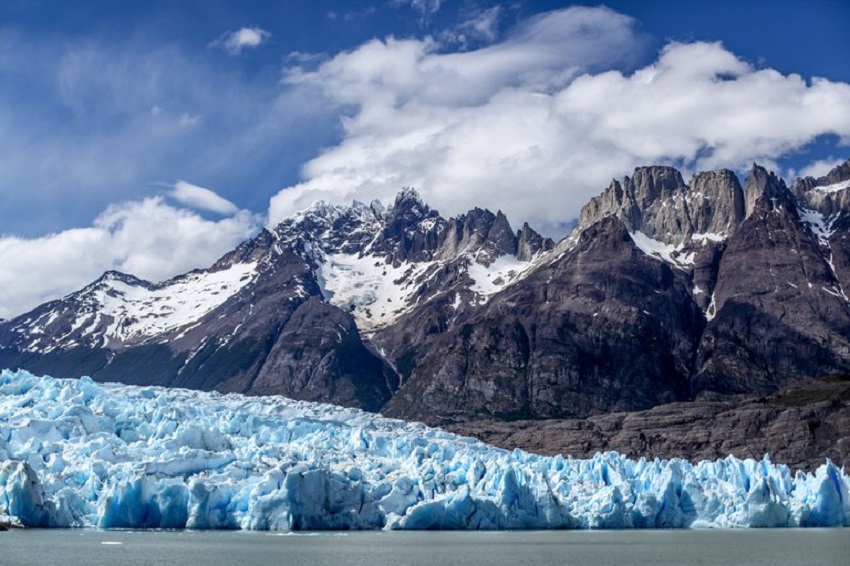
<point>800,426</point>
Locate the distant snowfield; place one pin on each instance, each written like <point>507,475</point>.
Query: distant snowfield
<point>137,311</point>
<point>76,453</point>
<point>503,271</point>
<point>123,308</point>
<point>375,292</point>
<point>834,188</point>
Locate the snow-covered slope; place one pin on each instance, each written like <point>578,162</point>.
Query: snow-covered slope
<point>833,188</point>
<point>374,291</point>
<point>120,309</point>
<point>381,263</point>
<point>76,453</point>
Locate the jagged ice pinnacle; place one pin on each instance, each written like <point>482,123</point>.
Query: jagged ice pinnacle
<point>77,453</point>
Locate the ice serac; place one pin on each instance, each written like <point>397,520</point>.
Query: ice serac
<point>78,454</point>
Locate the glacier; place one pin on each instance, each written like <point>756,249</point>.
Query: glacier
<point>75,453</point>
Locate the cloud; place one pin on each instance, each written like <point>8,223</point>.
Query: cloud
<point>90,123</point>
<point>483,25</point>
<point>541,121</point>
<point>235,42</point>
<point>817,168</point>
<point>424,7</point>
<point>201,198</point>
<point>147,238</point>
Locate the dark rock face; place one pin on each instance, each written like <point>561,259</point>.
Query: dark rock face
<point>604,328</point>
<point>480,233</point>
<point>667,294</point>
<point>530,243</point>
<point>411,231</point>
<point>779,316</point>
<point>319,356</point>
<point>717,203</point>
<point>763,184</point>
<point>800,426</point>
<point>657,202</point>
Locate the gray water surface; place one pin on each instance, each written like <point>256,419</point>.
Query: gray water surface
<point>812,547</point>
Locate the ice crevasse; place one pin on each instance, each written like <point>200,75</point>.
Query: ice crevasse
<point>77,453</point>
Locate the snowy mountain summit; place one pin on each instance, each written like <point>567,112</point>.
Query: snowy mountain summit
<point>379,263</point>
<point>666,291</point>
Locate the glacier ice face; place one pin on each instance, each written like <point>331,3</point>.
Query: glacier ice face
<point>77,453</point>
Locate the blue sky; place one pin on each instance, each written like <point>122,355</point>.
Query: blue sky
<point>150,137</point>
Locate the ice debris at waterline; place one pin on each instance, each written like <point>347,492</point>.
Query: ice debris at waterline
<point>77,453</point>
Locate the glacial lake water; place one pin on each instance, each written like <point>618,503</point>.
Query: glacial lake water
<point>89,547</point>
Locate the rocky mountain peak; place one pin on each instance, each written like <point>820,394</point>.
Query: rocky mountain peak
<point>652,184</point>
<point>530,243</point>
<point>377,208</point>
<point>838,174</point>
<point>107,281</point>
<point>827,195</point>
<point>409,203</point>
<point>761,183</point>
<point>411,230</point>
<point>248,251</point>
<point>664,291</point>
<point>656,202</point>
<point>113,275</point>
<point>609,233</point>
<point>479,233</point>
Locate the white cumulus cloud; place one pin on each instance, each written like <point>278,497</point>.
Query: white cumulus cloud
<point>818,168</point>
<point>541,121</point>
<point>201,198</point>
<point>235,42</point>
<point>147,238</point>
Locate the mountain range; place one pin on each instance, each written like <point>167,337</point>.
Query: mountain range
<point>693,295</point>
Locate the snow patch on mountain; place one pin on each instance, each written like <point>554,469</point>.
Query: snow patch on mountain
<point>666,252</point>
<point>374,291</point>
<point>819,224</point>
<point>122,308</point>
<point>705,237</point>
<point>834,188</point>
<point>138,312</point>
<point>501,272</point>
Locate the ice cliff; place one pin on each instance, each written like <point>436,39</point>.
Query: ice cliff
<point>78,453</point>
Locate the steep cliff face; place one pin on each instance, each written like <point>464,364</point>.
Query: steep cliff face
<point>604,327</point>
<point>665,292</point>
<point>778,313</point>
<point>656,202</point>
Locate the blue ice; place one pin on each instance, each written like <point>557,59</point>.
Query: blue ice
<point>74,453</point>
